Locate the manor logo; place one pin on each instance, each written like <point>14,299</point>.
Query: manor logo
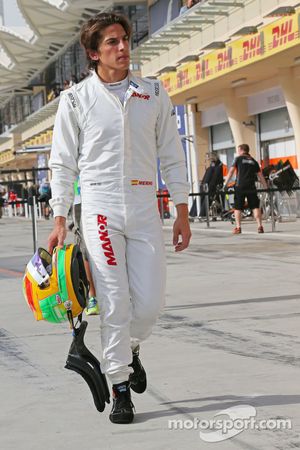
<point>105,240</point>
<point>141,96</point>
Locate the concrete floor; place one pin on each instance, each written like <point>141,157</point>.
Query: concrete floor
<point>229,336</point>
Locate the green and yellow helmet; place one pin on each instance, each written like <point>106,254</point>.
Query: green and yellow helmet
<point>52,284</point>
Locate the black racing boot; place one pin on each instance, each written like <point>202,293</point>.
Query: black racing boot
<point>137,379</point>
<point>122,410</point>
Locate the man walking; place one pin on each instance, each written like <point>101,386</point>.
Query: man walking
<point>111,128</point>
<point>247,171</point>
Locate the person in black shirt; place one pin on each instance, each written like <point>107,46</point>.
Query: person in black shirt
<point>247,172</point>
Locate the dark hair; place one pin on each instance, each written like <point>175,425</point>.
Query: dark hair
<point>91,32</point>
<point>245,148</point>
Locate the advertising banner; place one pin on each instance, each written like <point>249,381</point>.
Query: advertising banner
<point>270,40</point>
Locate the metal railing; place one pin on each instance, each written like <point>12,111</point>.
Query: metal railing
<point>32,209</point>
<point>273,213</point>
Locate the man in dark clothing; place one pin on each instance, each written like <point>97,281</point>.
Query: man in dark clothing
<point>2,201</point>
<point>213,177</point>
<point>44,197</point>
<point>247,172</point>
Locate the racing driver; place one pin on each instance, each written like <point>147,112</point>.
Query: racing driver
<point>111,128</point>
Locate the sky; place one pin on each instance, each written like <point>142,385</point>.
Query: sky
<point>12,15</point>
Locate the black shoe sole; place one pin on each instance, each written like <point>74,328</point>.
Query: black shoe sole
<point>121,418</point>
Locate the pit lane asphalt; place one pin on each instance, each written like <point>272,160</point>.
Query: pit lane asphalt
<point>229,335</point>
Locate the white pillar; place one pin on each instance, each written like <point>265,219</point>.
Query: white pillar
<point>194,160</point>
<point>243,126</point>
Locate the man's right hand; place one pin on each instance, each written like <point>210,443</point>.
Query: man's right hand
<point>58,235</point>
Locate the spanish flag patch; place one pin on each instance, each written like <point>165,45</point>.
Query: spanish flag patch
<point>141,183</point>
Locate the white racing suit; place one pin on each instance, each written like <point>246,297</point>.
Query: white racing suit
<point>115,147</point>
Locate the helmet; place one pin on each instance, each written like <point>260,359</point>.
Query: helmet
<point>54,284</point>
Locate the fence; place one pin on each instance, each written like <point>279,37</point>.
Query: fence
<point>29,208</point>
<point>276,204</point>
<point>21,208</point>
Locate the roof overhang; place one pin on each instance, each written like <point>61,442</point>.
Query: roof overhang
<point>193,21</point>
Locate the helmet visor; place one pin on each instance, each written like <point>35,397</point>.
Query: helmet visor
<point>40,267</point>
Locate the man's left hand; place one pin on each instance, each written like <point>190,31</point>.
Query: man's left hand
<point>181,228</point>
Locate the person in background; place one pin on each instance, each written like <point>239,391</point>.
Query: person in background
<point>83,75</point>
<point>189,4</point>
<point>57,90</point>
<point>44,197</point>
<point>2,200</point>
<point>247,171</point>
<point>12,198</point>
<point>73,80</point>
<point>213,178</point>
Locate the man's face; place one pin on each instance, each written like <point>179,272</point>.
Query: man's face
<point>113,51</point>
<point>240,151</point>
